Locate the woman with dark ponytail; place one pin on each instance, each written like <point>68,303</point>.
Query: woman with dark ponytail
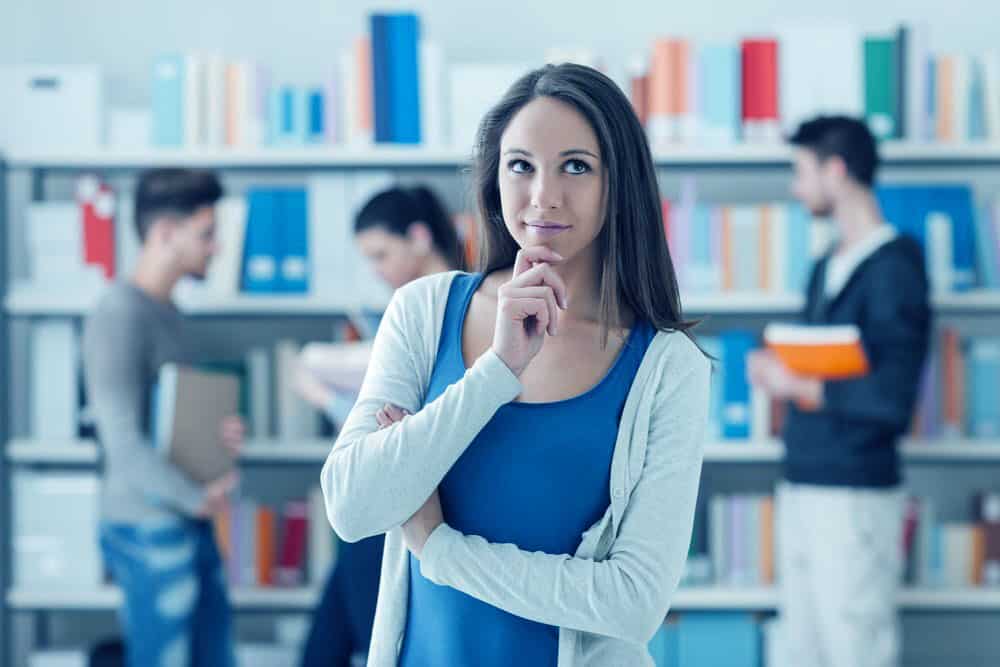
<point>406,233</point>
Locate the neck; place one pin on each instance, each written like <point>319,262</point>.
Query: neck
<point>154,276</point>
<point>856,215</point>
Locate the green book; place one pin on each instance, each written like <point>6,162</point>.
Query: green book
<point>881,86</point>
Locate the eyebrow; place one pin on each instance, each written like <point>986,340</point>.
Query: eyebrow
<point>572,151</point>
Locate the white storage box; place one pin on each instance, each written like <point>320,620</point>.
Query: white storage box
<point>51,108</point>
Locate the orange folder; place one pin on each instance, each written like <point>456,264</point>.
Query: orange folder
<point>824,352</point>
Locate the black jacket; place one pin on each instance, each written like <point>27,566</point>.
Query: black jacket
<point>852,439</point>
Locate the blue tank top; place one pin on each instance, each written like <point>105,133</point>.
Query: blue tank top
<point>536,476</point>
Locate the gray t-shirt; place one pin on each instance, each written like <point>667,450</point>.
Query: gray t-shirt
<point>126,339</point>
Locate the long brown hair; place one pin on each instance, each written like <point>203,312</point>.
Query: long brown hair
<point>636,269</point>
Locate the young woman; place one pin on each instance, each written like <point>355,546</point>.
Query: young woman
<point>531,436</point>
<point>405,233</point>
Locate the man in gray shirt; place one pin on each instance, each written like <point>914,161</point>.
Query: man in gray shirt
<point>156,532</point>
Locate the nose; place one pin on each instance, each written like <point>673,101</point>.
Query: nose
<point>546,191</point>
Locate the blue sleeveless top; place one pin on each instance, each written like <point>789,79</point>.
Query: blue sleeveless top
<point>536,476</point>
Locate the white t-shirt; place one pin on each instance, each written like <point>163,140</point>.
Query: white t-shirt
<point>841,265</point>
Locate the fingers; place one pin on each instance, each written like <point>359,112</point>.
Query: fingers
<point>524,309</point>
<point>528,257</point>
<point>389,414</point>
<point>543,274</point>
<point>531,295</point>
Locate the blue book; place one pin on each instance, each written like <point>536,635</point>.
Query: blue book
<point>260,249</point>
<point>709,639</point>
<point>797,261</point>
<point>315,117</point>
<point>381,78</point>
<point>275,116</point>
<point>736,390</point>
<point>721,91</point>
<point>977,103</point>
<point>931,101</point>
<point>984,388</point>
<point>168,101</point>
<point>714,348</point>
<point>988,249</point>
<point>907,207</point>
<point>703,272</point>
<point>663,646</point>
<point>293,254</point>
<point>404,78</point>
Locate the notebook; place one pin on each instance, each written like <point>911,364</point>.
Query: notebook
<point>826,352</point>
<point>189,406</point>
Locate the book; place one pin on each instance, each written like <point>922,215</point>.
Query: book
<point>827,352</point>
<point>189,406</point>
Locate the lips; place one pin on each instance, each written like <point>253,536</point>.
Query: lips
<point>545,226</point>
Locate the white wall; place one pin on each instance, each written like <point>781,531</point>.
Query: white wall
<point>298,37</point>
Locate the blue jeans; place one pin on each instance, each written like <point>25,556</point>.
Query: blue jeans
<point>175,611</point>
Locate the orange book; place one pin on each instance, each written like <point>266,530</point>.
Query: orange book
<point>954,382</point>
<point>366,90</point>
<point>660,89</point>
<point>767,540</point>
<point>945,98</point>
<point>265,546</point>
<point>825,352</point>
<point>728,279</point>
<point>639,94</point>
<point>221,524</point>
<point>679,68</point>
<point>978,555</point>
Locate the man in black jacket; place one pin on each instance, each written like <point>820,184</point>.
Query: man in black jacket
<point>840,505</point>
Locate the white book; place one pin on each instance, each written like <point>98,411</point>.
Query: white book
<point>55,243</point>
<point>957,543</point>
<point>331,236</point>
<point>127,245</point>
<point>225,271</point>
<point>432,99</point>
<point>321,541</point>
<point>348,99</point>
<point>961,94</point>
<point>991,90</point>
<point>718,544</point>
<point>760,418</point>
<point>474,89</point>
<point>820,70</point>
<point>55,521</point>
<point>940,262</point>
<point>778,269</point>
<point>297,420</point>
<point>919,126</point>
<point>54,376</point>
<point>215,101</point>
<point>248,542</point>
<point>259,372</point>
<point>194,100</point>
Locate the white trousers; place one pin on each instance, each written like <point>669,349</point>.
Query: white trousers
<point>839,564</point>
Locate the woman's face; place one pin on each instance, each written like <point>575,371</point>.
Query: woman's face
<point>552,183</point>
<point>396,259</point>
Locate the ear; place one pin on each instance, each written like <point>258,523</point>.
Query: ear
<point>835,169</point>
<point>159,232</point>
<point>420,235</point>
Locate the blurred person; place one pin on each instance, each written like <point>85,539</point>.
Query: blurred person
<point>405,233</point>
<point>840,506</point>
<point>156,532</point>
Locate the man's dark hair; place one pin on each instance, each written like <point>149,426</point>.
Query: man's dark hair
<point>844,137</point>
<point>172,192</point>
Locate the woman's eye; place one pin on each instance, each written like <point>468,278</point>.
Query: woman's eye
<point>519,166</point>
<point>577,167</point>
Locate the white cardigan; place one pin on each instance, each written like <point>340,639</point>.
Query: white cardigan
<point>610,597</point>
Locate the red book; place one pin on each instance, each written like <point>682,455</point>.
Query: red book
<point>97,208</point>
<point>291,560</point>
<point>760,84</point>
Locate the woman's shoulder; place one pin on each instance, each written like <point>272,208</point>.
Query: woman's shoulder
<point>680,353</point>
